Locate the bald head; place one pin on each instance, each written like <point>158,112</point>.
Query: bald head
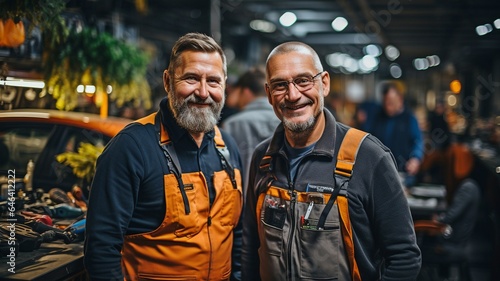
<point>297,47</point>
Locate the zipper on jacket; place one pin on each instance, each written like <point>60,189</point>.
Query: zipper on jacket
<point>293,200</point>
<point>209,223</point>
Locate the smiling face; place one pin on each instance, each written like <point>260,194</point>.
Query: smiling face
<point>298,109</point>
<point>196,90</point>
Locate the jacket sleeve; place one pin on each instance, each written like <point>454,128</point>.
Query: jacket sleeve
<point>111,203</point>
<point>251,243</point>
<point>392,223</point>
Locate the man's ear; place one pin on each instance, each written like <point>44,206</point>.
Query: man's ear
<point>325,79</point>
<point>166,80</point>
<point>268,92</point>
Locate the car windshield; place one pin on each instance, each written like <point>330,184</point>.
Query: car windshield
<point>19,145</point>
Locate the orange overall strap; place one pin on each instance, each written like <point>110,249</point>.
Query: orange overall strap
<point>219,142</point>
<point>150,119</point>
<point>345,163</point>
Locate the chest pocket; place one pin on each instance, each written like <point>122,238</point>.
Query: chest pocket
<point>177,220</point>
<point>231,199</point>
<point>277,222</point>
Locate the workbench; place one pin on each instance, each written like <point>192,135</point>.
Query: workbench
<point>54,261</point>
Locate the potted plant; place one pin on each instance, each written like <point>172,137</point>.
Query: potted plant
<point>89,57</point>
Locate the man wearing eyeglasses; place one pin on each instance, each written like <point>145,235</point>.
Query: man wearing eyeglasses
<point>324,201</point>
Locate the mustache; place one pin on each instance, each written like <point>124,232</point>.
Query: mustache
<point>286,104</point>
<point>196,99</point>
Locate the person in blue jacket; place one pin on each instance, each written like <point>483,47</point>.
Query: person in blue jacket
<point>167,195</point>
<point>397,128</point>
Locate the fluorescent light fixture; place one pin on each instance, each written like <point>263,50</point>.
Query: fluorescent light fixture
<point>484,29</point>
<point>339,24</point>
<point>26,83</point>
<point>262,26</point>
<point>288,19</point>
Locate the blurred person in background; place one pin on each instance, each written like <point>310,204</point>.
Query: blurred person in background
<point>256,121</point>
<point>463,198</point>
<point>167,195</point>
<point>231,103</point>
<point>439,138</point>
<point>397,128</point>
<point>364,115</point>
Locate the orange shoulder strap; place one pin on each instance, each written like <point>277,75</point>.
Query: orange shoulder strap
<point>219,142</point>
<point>150,119</point>
<point>345,163</point>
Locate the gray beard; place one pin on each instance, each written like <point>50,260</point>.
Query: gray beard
<point>305,127</point>
<point>300,127</point>
<point>194,119</point>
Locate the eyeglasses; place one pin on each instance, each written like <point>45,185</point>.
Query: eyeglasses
<point>301,83</point>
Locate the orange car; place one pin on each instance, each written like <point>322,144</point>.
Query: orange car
<point>40,135</point>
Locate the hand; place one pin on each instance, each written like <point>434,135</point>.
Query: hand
<point>412,166</point>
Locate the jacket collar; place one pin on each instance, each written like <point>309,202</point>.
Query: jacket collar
<point>324,146</point>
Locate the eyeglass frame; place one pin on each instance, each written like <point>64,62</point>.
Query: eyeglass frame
<point>312,78</point>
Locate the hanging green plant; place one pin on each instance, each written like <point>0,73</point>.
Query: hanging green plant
<point>82,162</point>
<point>45,14</point>
<point>88,57</point>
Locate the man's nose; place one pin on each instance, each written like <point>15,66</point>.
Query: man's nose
<point>293,93</point>
<point>202,90</point>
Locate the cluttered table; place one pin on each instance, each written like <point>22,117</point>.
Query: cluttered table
<point>41,234</point>
<point>52,261</point>
<point>425,200</point>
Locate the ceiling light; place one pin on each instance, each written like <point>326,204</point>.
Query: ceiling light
<point>339,24</point>
<point>395,70</point>
<point>433,60</point>
<point>336,59</point>
<point>287,19</point>
<point>452,100</point>
<point>80,89</point>
<point>496,23</point>
<point>369,61</point>
<point>391,52</point>
<point>484,29</point>
<point>351,64</point>
<point>455,86</point>
<point>372,50</point>
<point>90,89</point>
<point>421,64</point>
<point>263,26</point>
